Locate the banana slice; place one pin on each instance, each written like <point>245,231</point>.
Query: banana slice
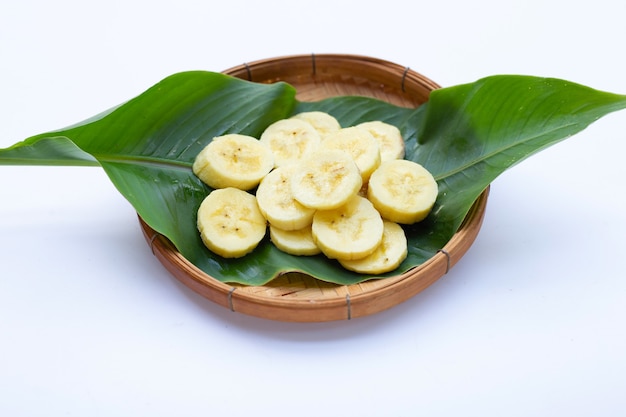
<point>233,160</point>
<point>402,191</point>
<point>323,122</point>
<point>387,256</point>
<point>290,140</point>
<point>326,180</point>
<point>277,203</point>
<point>352,231</point>
<point>230,222</point>
<point>389,138</point>
<point>360,144</point>
<point>294,242</point>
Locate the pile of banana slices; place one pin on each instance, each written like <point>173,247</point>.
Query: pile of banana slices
<point>321,188</point>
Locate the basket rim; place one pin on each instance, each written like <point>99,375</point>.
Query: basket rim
<point>405,72</point>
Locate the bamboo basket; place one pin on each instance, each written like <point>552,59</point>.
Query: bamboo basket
<point>296,297</point>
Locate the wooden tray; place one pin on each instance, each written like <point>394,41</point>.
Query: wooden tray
<point>297,297</point>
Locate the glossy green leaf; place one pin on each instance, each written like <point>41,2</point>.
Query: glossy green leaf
<point>465,135</point>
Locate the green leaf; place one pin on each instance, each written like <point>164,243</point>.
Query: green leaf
<point>52,150</point>
<point>465,135</point>
<point>474,132</point>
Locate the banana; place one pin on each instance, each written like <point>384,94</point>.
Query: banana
<point>233,160</point>
<point>387,256</point>
<point>351,231</point>
<point>321,188</point>
<point>360,144</point>
<point>402,191</point>
<point>294,242</point>
<point>389,138</point>
<point>230,222</point>
<point>277,203</point>
<point>290,140</point>
<point>326,180</point>
<point>323,122</point>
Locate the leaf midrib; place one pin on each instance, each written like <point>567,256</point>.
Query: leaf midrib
<point>149,161</point>
<point>498,151</point>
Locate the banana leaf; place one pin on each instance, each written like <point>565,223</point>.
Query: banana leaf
<point>466,135</point>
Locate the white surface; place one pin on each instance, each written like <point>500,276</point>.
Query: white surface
<point>530,322</point>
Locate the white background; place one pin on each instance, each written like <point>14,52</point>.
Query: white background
<point>530,322</point>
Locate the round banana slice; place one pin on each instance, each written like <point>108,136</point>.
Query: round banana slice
<point>389,138</point>
<point>294,242</point>
<point>387,256</point>
<point>233,160</point>
<point>277,203</point>
<point>230,222</point>
<point>360,144</point>
<point>323,122</point>
<point>290,140</point>
<point>402,191</point>
<point>326,180</point>
<point>351,231</point>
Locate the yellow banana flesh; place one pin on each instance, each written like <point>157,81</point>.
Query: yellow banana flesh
<point>230,222</point>
<point>326,180</point>
<point>277,203</point>
<point>359,144</point>
<point>351,231</point>
<point>387,256</point>
<point>389,138</point>
<point>294,242</point>
<point>402,191</point>
<point>233,160</point>
<point>323,122</point>
<point>290,140</point>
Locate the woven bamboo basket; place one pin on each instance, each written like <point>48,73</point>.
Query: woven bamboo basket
<point>296,297</point>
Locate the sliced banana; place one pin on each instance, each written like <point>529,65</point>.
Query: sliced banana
<point>294,242</point>
<point>230,222</point>
<point>323,122</point>
<point>360,144</point>
<point>387,256</point>
<point>402,191</point>
<point>389,138</point>
<point>326,180</point>
<point>290,140</point>
<point>321,188</point>
<point>351,231</point>
<point>277,203</point>
<point>233,160</point>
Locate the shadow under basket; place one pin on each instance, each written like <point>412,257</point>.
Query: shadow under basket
<point>297,297</point>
